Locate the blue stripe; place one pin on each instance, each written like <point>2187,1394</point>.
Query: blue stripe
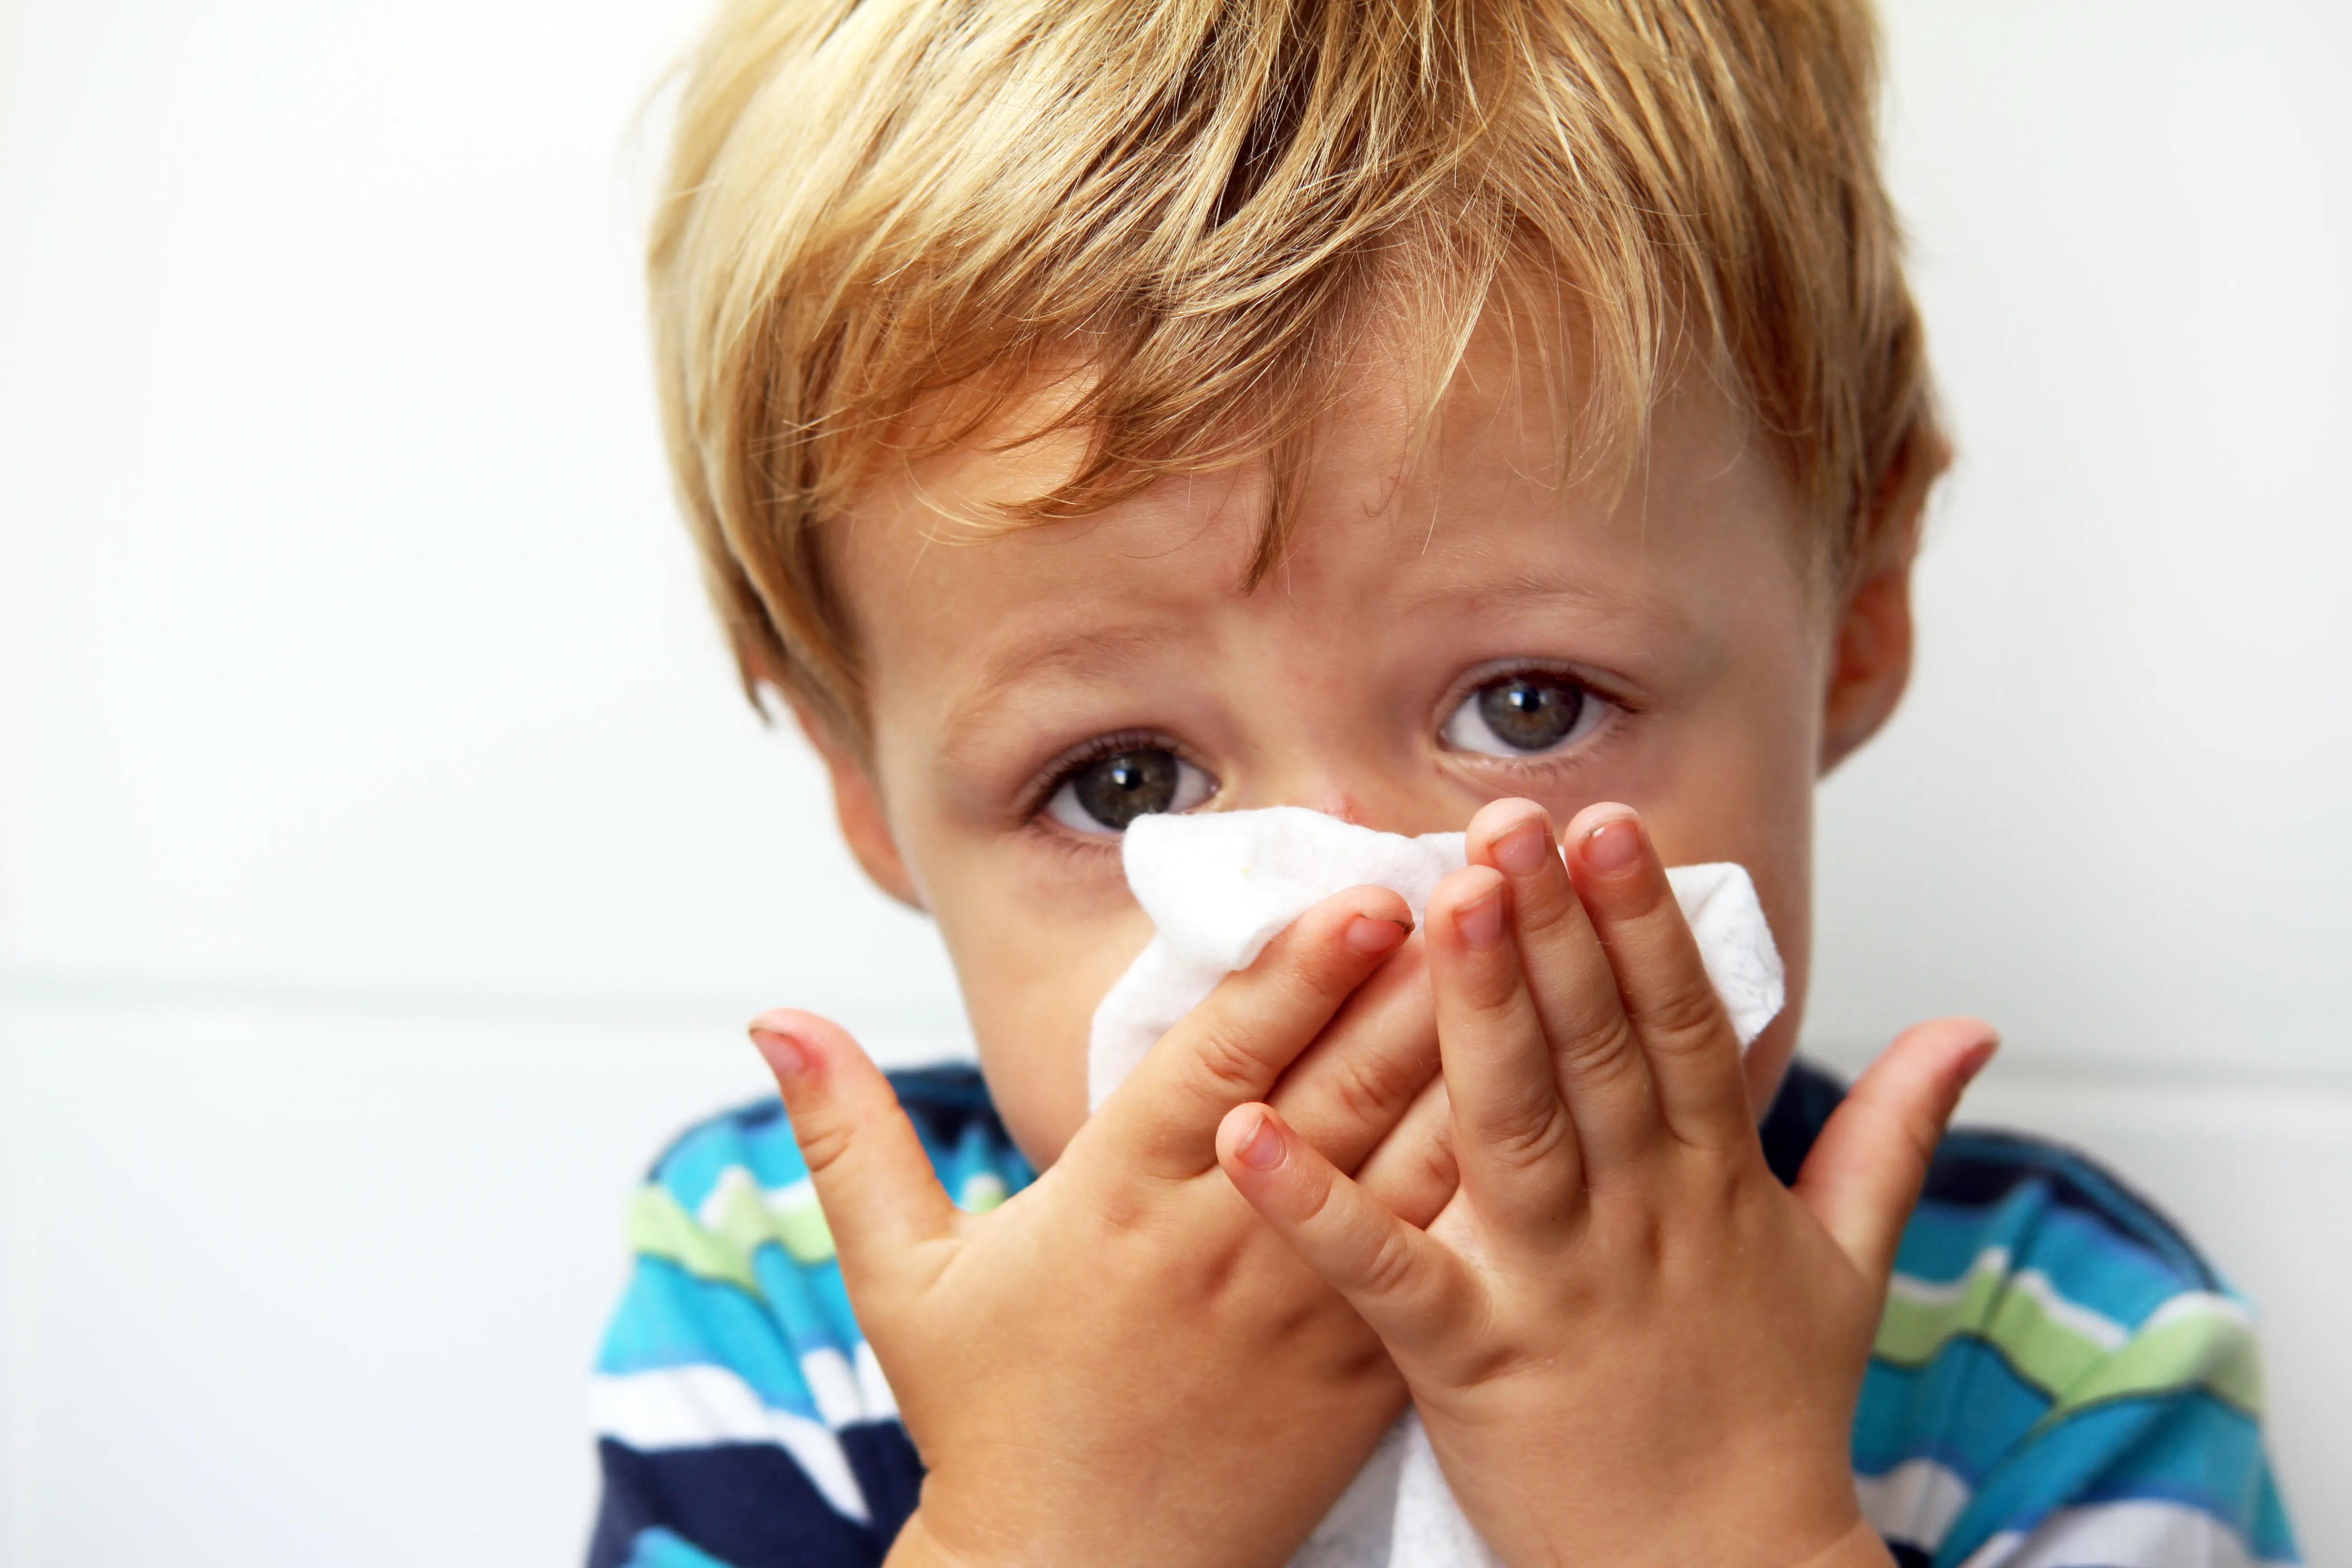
<point>1976,1166</point>
<point>809,1299</point>
<point>2093,1265</point>
<point>947,1105</point>
<point>2274,1535</point>
<point>1964,1409</point>
<point>668,1319</point>
<point>658,1547</point>
<point>753,1136</point>
<point>2187,1448</point>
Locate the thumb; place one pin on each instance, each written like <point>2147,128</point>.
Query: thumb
<point>1863,1178</point>
<point>875,1184</point>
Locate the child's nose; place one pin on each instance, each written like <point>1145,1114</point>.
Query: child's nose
<point>1364,799</point>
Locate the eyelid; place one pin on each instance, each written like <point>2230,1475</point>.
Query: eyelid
<point>1484,674</point>
<point>1608,714</point>
<point>1039,791</point>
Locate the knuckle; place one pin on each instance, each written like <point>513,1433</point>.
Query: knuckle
<point>1316,967</point>
<point>1315,1195</point>
<point>1598,1057</point>
<point>1546,907</point>
<point>1687,1015</point>
<point>1493,990</point>
<point>823,1143</point>
<point>1226,1063</point>
<point>1527,1132</point>
<point>1386,1270</point>
<point>1371,1087</point>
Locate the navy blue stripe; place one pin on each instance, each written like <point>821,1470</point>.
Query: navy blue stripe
<point>941,1101</point>
<point>748,1505</point>
<point>888,1470</point>
<point>1979,1167</point>
<point>1799,1110</point>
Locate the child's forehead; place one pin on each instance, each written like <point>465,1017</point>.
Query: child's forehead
<point>1463,513</point>
<point>1410,433</point>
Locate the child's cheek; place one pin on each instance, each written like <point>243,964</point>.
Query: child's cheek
<point>1032,978</point>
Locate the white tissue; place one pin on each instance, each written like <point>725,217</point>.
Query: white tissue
<point>1218,887</point>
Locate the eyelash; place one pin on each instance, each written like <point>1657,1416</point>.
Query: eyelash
<point>1040,789</point>
<point>1485,675</point>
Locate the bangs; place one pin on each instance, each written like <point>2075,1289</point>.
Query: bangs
<point>1196,222</point>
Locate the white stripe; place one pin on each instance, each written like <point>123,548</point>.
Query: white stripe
<point>834,1387</point>
<point>2096,1327</point>
<point>881,1404</point>
<point>696,1406</point>
<point>1915,1502</point>
<point>713,1207</point>
<point>1944,1292</point>
<point>2200,1304</point>
<point>791,1196</point>
<point>800,1194</point>
<point>2118,1535</point>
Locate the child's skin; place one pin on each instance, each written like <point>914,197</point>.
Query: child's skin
<point>1629,1342</point>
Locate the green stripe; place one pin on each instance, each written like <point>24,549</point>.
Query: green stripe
<point>2212,1349</point>
<point>750,1221</point>
<point>2208,1348</point>
<point>2047,1353</point>
<point>660,1227</point>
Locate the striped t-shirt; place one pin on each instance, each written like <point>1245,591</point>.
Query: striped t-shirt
<point>2060,1380</point>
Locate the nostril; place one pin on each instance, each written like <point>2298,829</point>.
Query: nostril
<point>1339,803</point>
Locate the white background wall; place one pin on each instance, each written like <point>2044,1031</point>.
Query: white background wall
<point>386,865</point>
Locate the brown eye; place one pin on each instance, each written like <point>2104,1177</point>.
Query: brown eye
<point>1524,715</point>
<point>1107,794</point>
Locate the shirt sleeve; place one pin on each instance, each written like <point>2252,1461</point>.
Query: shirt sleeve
<point>741,1419</point>
<point>2059,1381</point>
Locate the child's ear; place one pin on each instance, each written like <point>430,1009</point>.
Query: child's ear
<point>1870,661</point>
<point>858,806</point>
<point>1870,654</point>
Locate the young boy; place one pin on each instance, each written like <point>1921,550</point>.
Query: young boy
<point>1435,413</point>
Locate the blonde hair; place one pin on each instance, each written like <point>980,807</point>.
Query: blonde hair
<point>1207,205</point>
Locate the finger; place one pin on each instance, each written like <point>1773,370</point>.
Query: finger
<point>1687,1037</point>
<point>1412,1173</point>
<point>1513,1138</point>
<point>1863,1178</point>
<point>1229,1050</point>
<point>1408,1287</point>
<point>1596,1055</point>
<point>1354,1085</point>
<point>876,1187</point>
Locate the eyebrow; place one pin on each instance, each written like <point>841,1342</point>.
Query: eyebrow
<point>1528,587</point>
<point>1026,659</point>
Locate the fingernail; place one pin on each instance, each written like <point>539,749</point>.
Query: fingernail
<point>785,1057</point>
<point>1262,1150</point>
<point>1523,848</point>
<point>1480,924</point>
<point>1614,846</point>
<point>1371,934</point>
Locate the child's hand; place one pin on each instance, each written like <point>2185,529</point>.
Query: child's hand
<point>1121,1364</point>
<point>1629,1342</point>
